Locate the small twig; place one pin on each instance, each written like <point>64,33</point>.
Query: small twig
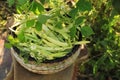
<point>12,30</point>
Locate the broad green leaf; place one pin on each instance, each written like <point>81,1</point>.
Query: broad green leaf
<point>40,7</point>
<point>30,23</point>
<point>84,5</point>
<point>43,18</point>
<point>18,9</point>
<point>37,7</point>
<point>21,36</point>
<point>73,31</point>
<point>10,2</point>
<point>79,20</point>
<point>73,12</point>
<point>33,7</point>
<point>38,26</point>
<point>22,2</point>
<point>42,1</point>
<point>10,38</point>
<point>86,31</point>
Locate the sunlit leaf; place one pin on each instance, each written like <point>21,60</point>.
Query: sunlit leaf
<point>95,68</point>
<point>11,39</point>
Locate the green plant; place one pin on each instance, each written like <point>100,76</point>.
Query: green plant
<point>46,31</point>
<point>105,43</point>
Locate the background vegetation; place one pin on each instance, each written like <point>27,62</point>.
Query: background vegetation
<point>103,63</point>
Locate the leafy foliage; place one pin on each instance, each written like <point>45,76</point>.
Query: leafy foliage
<point>86,31</point>
<point>84,5</point>
<point>105,44</point>
<point>48,34</point>
<point>11,2</point>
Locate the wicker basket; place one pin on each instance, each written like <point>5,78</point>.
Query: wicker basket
<point>47,68</point>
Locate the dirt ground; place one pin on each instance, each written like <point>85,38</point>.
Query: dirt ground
<point>5,60</point>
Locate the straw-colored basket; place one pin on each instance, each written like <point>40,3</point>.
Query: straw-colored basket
<point>47,68</point>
